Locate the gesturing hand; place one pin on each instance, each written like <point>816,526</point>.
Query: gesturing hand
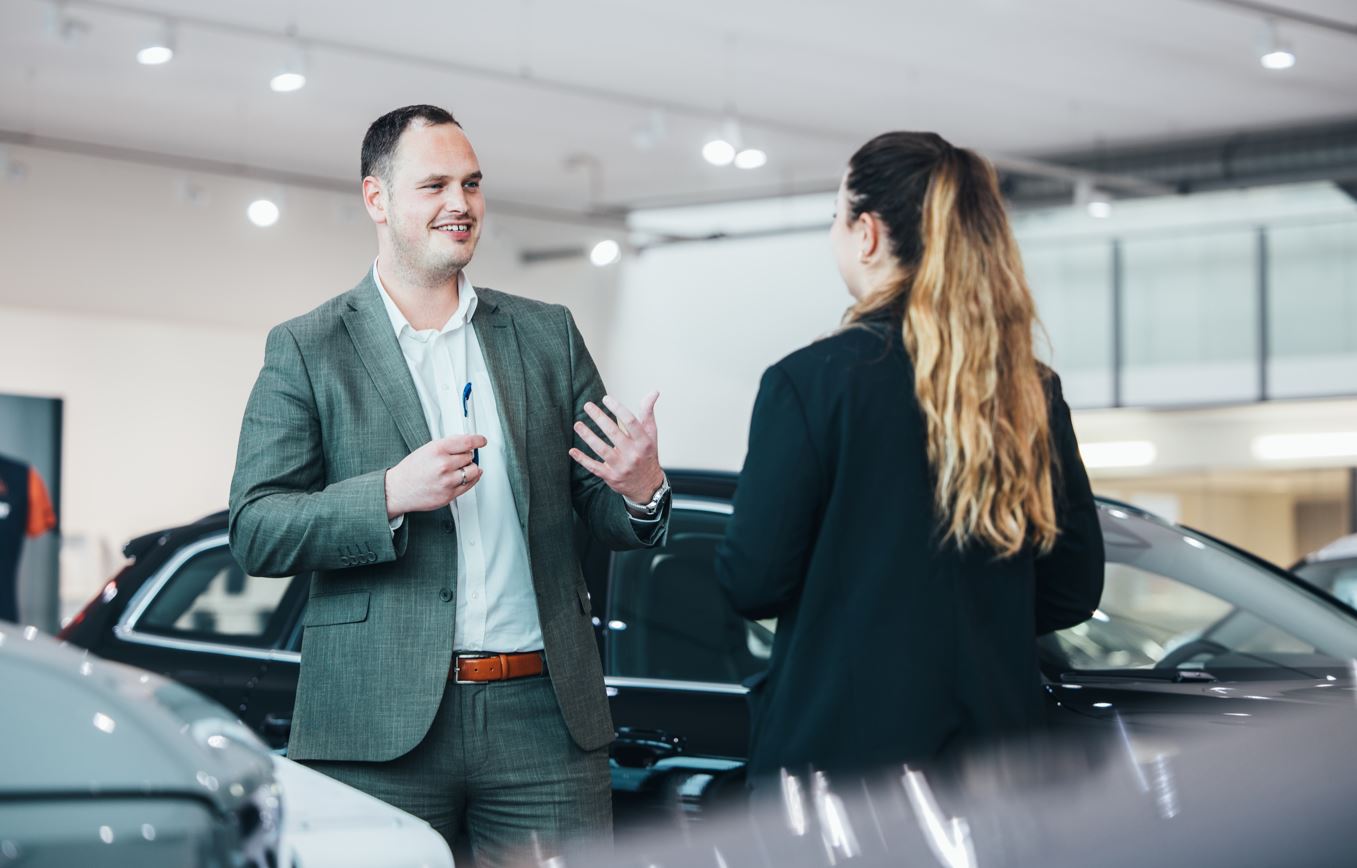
<point>630,461</point>
<point>433,475</point>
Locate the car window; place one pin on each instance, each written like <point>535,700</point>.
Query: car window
<point>1176,601</point>
<point>210,598</point>
<point>1337,577</point>
<point>668,619</point>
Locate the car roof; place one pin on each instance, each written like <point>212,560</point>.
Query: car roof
<point>686,481</point>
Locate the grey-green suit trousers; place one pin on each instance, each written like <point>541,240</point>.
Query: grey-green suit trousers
<point>499,772</point>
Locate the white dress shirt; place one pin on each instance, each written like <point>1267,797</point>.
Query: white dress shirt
<point>496,603</point>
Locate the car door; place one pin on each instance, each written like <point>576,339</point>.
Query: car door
<point>675,654</point>
<point>203,621</point>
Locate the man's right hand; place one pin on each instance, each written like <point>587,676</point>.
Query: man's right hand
<point>433,475</point>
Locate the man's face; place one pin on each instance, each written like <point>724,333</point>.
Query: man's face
<point>432,203</point>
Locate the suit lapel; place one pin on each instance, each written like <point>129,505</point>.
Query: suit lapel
<point>370,328</point>
<point>499,344</point>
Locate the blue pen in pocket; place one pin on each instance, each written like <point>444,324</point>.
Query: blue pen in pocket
<point>466,414</point>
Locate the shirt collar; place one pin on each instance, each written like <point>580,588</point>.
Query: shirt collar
<point>467,301</point>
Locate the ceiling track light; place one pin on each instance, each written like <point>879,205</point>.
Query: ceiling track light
<point>159,49</point>
<point>64,26</point>
<point>1273,53</point>
<point>292,76</point>
<point>1097,202</point>
<point>727,147</point>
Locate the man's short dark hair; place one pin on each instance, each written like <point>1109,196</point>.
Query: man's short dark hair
<point>379,144</point>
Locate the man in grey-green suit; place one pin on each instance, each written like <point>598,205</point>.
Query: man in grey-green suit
<point>410,443</point>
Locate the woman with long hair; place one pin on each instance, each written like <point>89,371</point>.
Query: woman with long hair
<point>913,509</point>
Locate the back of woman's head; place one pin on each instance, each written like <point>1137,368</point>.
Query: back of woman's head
<point>968,317</point>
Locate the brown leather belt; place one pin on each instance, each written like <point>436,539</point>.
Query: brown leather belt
<point>478,668</point>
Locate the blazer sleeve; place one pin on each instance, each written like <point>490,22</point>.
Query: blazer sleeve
<point>603,510</point>
<point>1069,578</point>
<point>762,561</point>
<point>284,519</point>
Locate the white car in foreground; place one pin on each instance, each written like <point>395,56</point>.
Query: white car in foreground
<point>102,764</point>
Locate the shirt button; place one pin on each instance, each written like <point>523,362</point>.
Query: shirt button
<point>471,542</point>
<point>475,595</point>
<point>445,595</point>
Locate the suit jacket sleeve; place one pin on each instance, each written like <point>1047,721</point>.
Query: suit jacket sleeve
<point>762,561</point>
<point>603,510</point>
<point>284,518</point>
<point>1069,579</point>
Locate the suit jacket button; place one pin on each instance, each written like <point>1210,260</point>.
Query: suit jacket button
<point>448,525</point>
<point>445,595</point>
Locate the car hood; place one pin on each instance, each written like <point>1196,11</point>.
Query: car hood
<point>75,725</point>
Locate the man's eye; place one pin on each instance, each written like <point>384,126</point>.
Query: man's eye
<point>473,185</point>
<point>433,186</point>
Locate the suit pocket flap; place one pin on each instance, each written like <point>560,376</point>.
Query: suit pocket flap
<point>336,609</point>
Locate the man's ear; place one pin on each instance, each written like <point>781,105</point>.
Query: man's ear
<point>374,199</point>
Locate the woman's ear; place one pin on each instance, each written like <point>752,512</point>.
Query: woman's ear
<point>867,232</point>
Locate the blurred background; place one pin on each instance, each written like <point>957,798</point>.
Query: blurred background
<point>177,177</point>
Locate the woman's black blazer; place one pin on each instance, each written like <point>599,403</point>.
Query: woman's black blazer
<point>890,647</point>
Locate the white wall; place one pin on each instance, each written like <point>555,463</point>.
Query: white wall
<point>147,315</point>
<point>701,322</point>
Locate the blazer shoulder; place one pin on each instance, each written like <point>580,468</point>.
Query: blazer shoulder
<point>319,323</point>
<point>516,304</point>
<point>848,347</point>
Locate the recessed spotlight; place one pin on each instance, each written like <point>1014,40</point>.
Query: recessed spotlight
<point>750,158</point>
<point>262,213</point>
<point>718,152</point>
<point>605,252</point>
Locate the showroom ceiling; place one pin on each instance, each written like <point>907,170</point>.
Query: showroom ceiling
<point>603,105</point>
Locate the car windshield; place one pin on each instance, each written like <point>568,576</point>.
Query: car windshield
<point>1178,601</point>
<point>1173,601</point>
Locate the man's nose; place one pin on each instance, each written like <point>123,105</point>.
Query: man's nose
<point>455,200</point>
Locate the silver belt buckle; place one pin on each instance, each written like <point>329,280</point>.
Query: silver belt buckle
<point>457,667</point>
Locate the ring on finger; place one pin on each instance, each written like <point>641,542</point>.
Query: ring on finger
<point>463,469</point>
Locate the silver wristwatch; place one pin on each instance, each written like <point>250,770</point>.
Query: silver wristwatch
<point>653,508</point>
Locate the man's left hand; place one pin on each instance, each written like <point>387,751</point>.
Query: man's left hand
<point>628,448</point>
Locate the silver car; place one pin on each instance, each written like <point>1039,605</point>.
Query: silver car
<point>103,764</point>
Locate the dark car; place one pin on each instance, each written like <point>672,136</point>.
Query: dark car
<point>1192,634</point>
